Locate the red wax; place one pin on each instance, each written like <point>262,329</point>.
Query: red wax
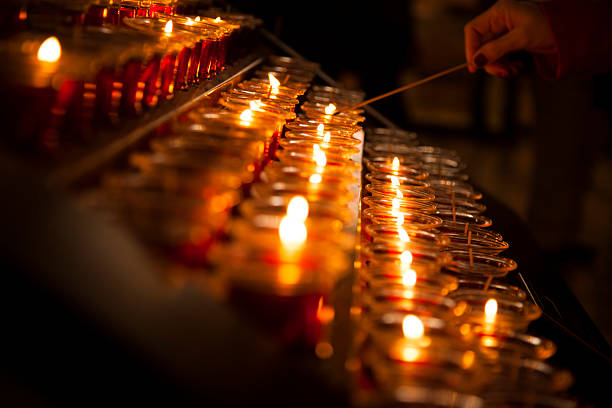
<point>150,76</point>
<point>129,93</point>
<point>166,88</point>
<point>184,56</point>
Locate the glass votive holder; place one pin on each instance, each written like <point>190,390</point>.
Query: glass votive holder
<point>182,227</point>
<point>403,171</point>
<point>334,139</point>
<point>468,263</point>
<point>460,190</point>
<point>478,244</point>
<point>292,62</point>
<point>399,362</point>
<point>389,179</point>
<point>495,287</point>
<point>277,171</point>
<point>388,136</point>
<point>311,191</point>
<point>320,228</point>
<point>397,233</point>
<point>321,92</point>
<point>397,207</point>
<point>219,185</point>
<point>422,303</point>
<point>392,164</point>
<point>306,125</point>
<point>240,103</point>
<point>504,344</point>
<point>294,89</point>
<point>300,74</point>
<point>526,376</point>
<point>304,157</point>
<point>306,146</point>
<point>484,233</point>
<point>402,192</point>
<point>193,165</point>
<point>380,277</point>
<point>446,203</point>
<point>268,98</point>
<point>437,164</point>
<point>373,253</point>
<point>461,218</point>
<point>423,395</point>
<point>411,219</point>
<point>495,311</point>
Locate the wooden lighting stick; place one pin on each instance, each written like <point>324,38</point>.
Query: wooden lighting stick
<point>403,88</point>
<point>488,283</point>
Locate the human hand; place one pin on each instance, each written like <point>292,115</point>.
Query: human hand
<point>506,27</point>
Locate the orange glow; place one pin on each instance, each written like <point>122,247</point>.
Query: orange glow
<point>246,117</point>
<point>50,50</point>
<point>255,105</point>
<point>274,83</point>
<point>395,203</point>
<point>292,232</point>
<point>409,354</point>
<point>315,178</point>
<point>105,13</point>
<point>468,359</point>
<point>168,27</point>
<point>400,218</point>
<point>412,327</point>
<point>23,14</point>
<point>189,22</point>
<point>403,235</point>
<point>409,277</point>
<point>197,18</point>
<point>320,129</point>
<point>327,137</point>
<point>394,181</point>
<point>217,20</point>
<point>399,194</point>
<point>406,258</point>
<point>330,109</point>
<point>319,156</point>
<point>490,311</point>
<point>396,164</point>
<point>289,274</point>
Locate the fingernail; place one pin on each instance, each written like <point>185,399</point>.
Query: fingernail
<point>480,60</point>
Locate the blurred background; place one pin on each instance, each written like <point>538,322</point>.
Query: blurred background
<point>541,148</point>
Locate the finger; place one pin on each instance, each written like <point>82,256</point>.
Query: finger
<point>494,50</point>
<point>483,28</point>
<point>498,69</point>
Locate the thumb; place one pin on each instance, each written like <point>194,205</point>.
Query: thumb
<point>495,49</point>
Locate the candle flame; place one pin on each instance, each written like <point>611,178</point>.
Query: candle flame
<point>400,217</point>
<point>409,354</point>
<point>315,178</point>
<point>394,180</point>
<point>490,310</point>
<point>320,129</point>
<point>327,137</point>
<point>217,20</point>
<point>412,327</point>
<point>330,109</point>
<point>50,50</point>
<point>197,18</point>
<point>403,235</point>
<point>23,14</point>
<point>298,208</point>
<point>246,115</point>
<point>396,164</point>
<point>395,203</point>
<point>189,22</point>
<point>409,277</point>
<point>406,258</point>
<point>319,156</point>
<point>274,84</point>
<point>292,231</point>
<point>168,27</point>
<point>399,194</point>
<point>255,105</point>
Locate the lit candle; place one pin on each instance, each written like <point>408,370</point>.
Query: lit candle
<point>50,50</point>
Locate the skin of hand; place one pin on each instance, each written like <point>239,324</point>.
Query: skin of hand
<point>506,27</point>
